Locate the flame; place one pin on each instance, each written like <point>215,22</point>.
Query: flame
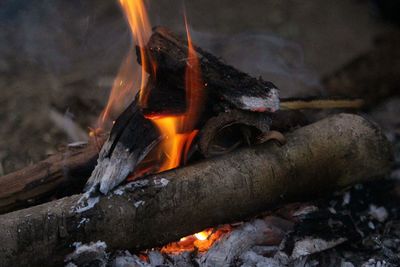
<point>179,130</point>
<point>136,14</point>
<point>130,78</point>
<point>123,91</point>
<point>201,241</point>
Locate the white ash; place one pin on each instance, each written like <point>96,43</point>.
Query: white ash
<point>86,202</point>
<point>139,203</point>
<point>252,259</point>
<point>346,264</point>
<point>265,250</point>
<point>378,213</point>
<point>371,225</point>
<point>83,221</point>
<point>161,182</point>
<point>156,258</point>
<point>346,198</point>
<point>376,263</point>
<point>304,210</point>
<point>271,103</point>
<point>125,259</point>
<point>130,187</point>
<point>332,210</point>
<point>88,254</point>
<point>77,144</point>
<point>310,245</point>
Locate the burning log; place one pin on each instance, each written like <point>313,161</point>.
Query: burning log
<point>66,170</point>
<point>222,83</point>
<point>219,88</point>
<point>328,155</point>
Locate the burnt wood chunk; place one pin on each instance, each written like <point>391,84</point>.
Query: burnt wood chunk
<point>131,139</point>
<point>224,82</point>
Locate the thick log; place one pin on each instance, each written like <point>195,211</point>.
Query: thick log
<point>328,155</point>
<point>62,174</point>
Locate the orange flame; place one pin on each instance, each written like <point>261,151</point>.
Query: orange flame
<point>179,131</point>
<point>136,14</point>
<point>130,78</point>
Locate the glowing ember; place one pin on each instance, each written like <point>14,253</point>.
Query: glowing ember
<point>202,235</point>
<point>200,242</point>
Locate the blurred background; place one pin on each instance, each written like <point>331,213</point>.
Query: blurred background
<point>58,58</point>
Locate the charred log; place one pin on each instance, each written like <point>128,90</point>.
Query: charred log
<point>131,139</point>
<point>221,81</point>
<point>164,207</point>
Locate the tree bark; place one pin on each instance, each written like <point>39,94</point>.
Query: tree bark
<point>67,170</point>
<point>325,156</point>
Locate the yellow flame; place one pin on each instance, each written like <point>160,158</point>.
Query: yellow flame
<point>136,14</point>
<point>202,235</point>
<point>179,131</point>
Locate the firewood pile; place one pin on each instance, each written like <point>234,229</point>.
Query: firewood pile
<point>209,166</point>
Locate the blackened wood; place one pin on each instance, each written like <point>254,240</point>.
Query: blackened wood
<point>221,81</point>
<point>132,137</point>
<point>328,155</point>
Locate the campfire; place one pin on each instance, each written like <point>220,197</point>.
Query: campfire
<point>192,163</point>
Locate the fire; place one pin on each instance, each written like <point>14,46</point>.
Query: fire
<point>178,131</point>
<point>136,14</point>
<point>201,241</point>
<point>130,79</point>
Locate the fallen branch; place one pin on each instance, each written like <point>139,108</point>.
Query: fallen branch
<point>325,156</point>
<point>67,170</point>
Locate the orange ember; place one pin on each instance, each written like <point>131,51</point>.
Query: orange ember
<point>201,241</point>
